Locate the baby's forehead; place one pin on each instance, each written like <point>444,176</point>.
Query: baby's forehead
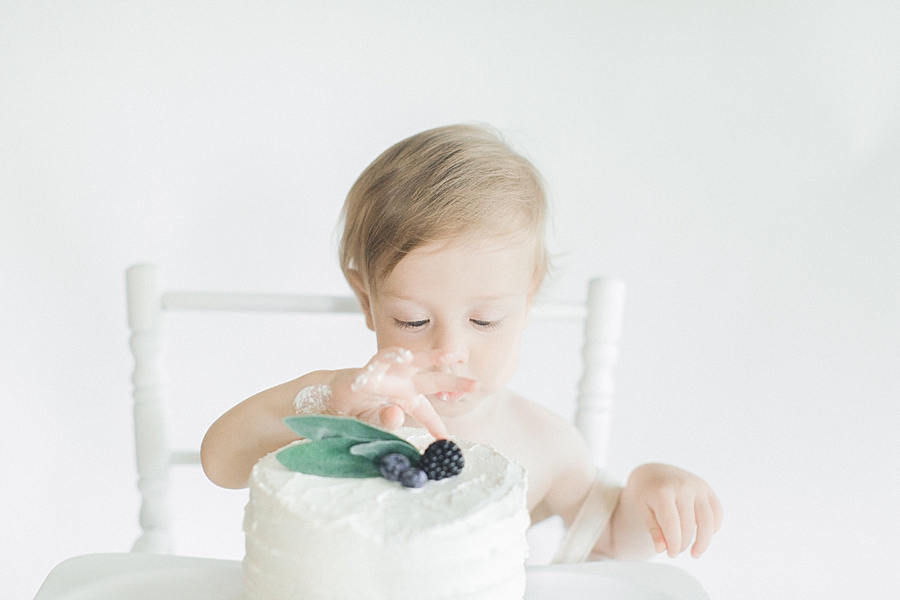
<point>475,270</point>
<point>402,297</point>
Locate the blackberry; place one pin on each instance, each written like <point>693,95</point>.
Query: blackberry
<point>413,477</point>
<point>442,459</point>
<point>393,465</point>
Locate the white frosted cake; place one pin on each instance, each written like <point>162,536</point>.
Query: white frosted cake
<point>310,537</point>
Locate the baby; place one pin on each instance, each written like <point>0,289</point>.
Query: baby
<point>444,247</point>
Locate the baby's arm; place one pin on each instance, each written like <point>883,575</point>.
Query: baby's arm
<point>658,509</point>
<point>250,430</point>
<point>382,393</point>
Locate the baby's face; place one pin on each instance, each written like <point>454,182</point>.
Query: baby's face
<point>468,298</point>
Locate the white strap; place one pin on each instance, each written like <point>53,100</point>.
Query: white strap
<point>589,524</point>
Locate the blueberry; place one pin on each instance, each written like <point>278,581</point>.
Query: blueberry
<point>392,465</point>
<point>413,477</point>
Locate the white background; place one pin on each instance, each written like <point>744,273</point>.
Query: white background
<point>737,163</point>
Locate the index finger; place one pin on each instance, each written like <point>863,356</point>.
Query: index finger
<point>420,409</point>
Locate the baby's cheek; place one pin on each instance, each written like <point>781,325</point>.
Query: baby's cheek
<point>387,336</point>
<point>504,363</point>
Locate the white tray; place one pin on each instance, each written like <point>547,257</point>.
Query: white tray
<point>135,576</point>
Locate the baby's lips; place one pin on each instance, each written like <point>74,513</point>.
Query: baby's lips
<point>464,386</point>
<point>449,396</point>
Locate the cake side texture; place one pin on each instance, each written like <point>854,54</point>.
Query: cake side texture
<point>311,537</point>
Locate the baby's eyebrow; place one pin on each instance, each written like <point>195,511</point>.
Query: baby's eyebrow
<point>496,298</point>
<point>394,296</point>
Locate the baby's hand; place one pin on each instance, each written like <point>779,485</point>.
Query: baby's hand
<point>395,382</point>
<point>671,502</point>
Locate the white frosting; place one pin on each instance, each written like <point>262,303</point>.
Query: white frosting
<point>312,538</point>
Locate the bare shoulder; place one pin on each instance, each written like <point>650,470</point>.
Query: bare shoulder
<point>552,451</point>
<point>538,422</point>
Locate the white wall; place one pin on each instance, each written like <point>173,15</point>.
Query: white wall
<point>738,163</point>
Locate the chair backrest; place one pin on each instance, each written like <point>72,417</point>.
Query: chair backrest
<point>601,313</point>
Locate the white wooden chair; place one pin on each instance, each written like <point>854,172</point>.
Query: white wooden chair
<point>148,303</point>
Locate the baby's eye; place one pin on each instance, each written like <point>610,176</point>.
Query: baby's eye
<point>485,324</point>
<point>410,324</point>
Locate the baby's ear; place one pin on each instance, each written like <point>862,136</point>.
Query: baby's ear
<point>359,288</point>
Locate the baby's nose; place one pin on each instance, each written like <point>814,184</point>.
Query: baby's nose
<point>453,346</point>
<point>453,358</point>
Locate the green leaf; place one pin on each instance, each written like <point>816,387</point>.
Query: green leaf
<point>377,450</point>
<point>318,427</point>
<point>328,457</point>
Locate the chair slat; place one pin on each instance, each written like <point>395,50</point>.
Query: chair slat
<point>184,457</point>
<point>321,304</point>
<point>259,302</point>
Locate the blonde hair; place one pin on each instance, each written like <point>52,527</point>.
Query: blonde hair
<point>444,184</point>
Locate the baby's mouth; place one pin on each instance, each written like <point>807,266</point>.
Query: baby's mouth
<point>449,396</point>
